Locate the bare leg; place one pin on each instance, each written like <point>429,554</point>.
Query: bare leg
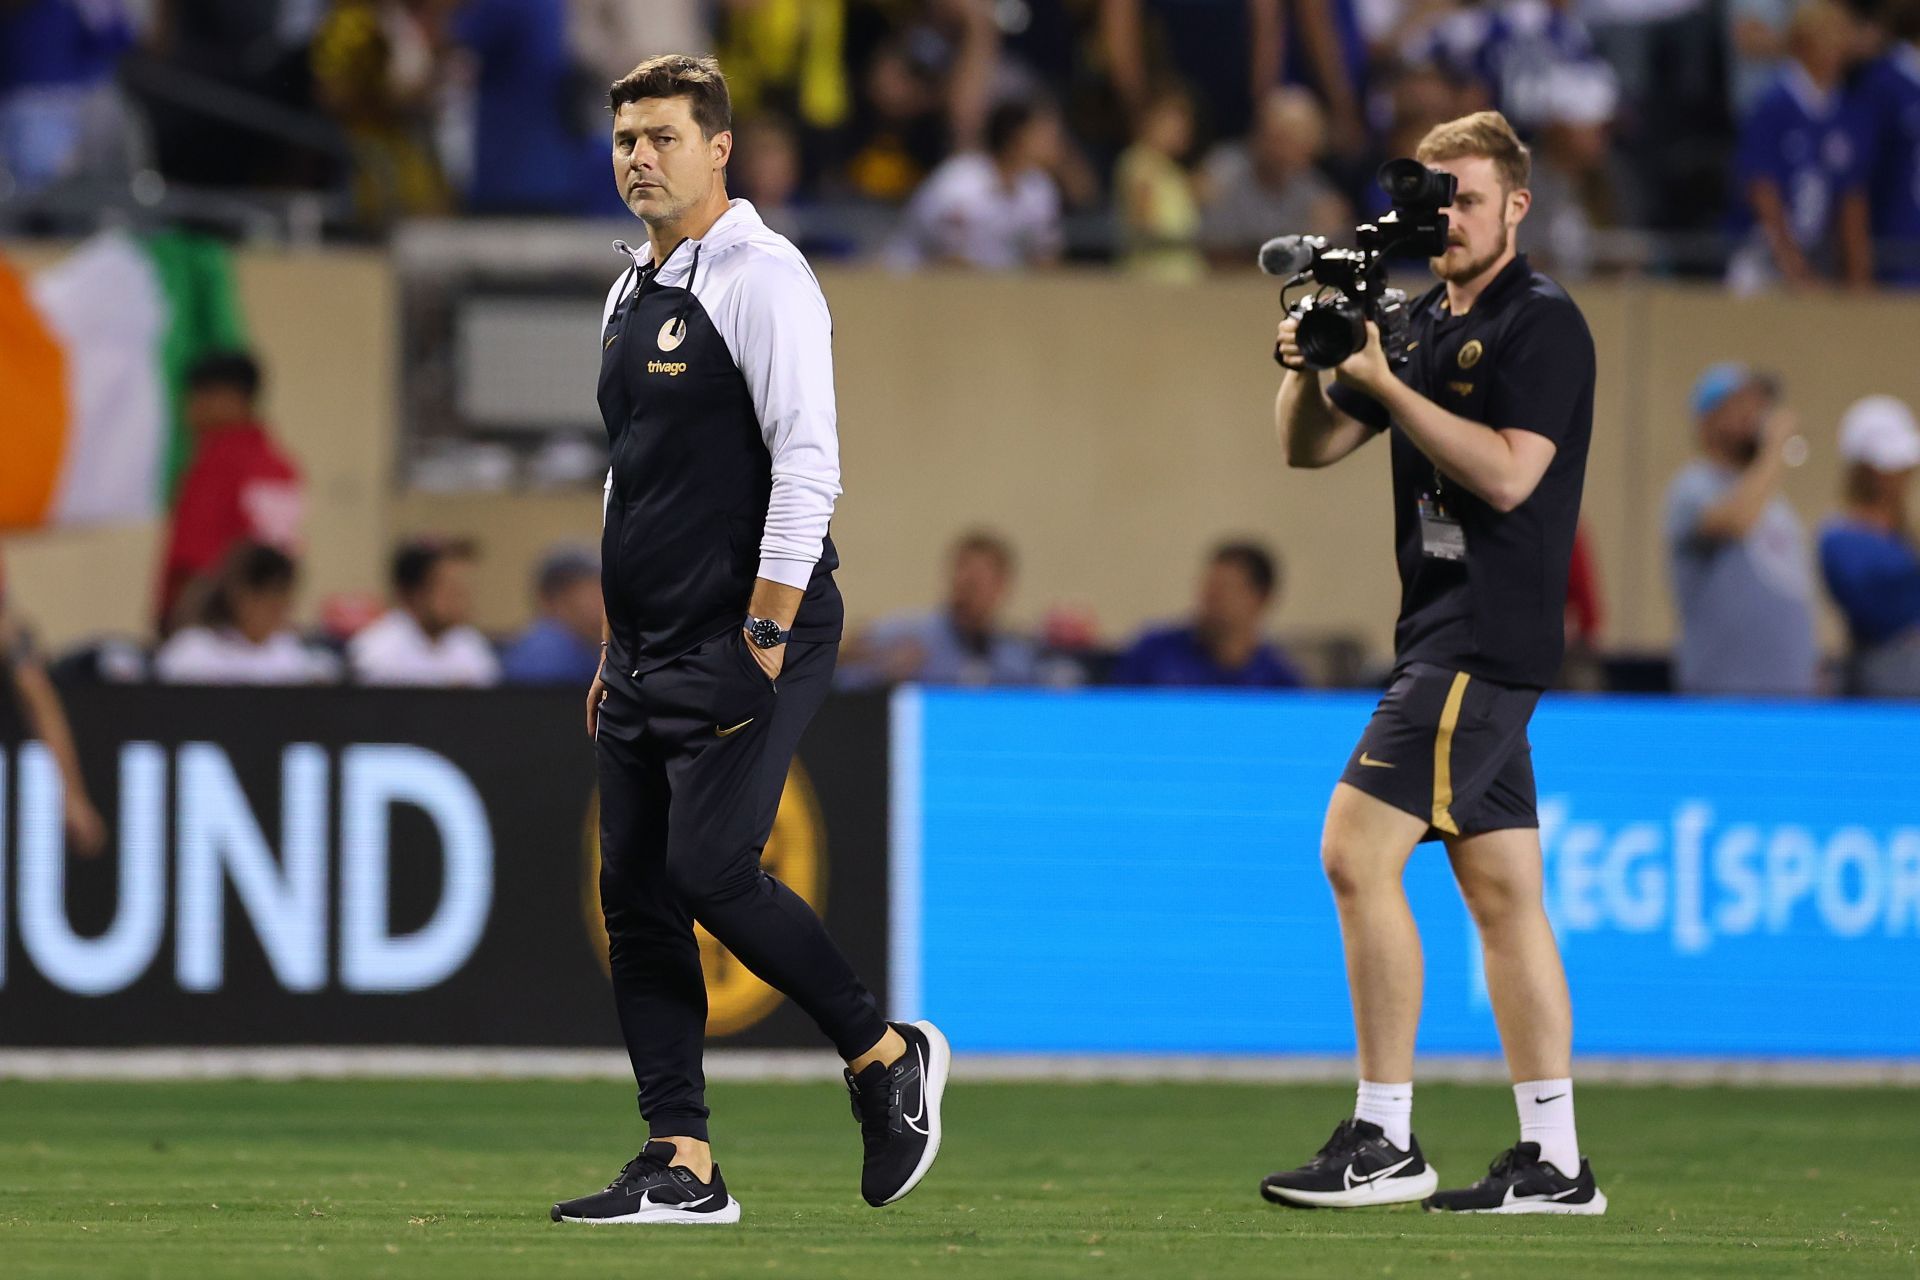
<point>886,1051</point>
<point>691,1154</point>
<point>1364,850</point>
<point>1500,877</point>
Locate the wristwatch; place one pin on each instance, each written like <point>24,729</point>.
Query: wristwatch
<point>765,633</point>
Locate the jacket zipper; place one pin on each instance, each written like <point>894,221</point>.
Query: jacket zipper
<point>618,501</point>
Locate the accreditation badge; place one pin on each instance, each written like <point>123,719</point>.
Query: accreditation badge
<point>1441,536</point>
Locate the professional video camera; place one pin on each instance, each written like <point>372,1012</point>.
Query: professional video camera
<point>1353,282</point>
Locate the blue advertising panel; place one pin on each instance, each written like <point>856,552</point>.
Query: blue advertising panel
<point>1139,872</point>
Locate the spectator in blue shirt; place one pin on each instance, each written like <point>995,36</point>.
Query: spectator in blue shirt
<point>1889,102</point>
<point>1514,52</point>
<point>1736,549</point>
<point>1222,645</point>
<point>1867,553</point>
<point>543,143</point>
<point>1799,168</point>
<point>563,644</point>
<point>965,642</point>
<point>59,111</point>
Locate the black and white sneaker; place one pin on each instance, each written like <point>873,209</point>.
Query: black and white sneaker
<point>898,1108</point>
<point>1357,1167</point>
<point>1521,1182</point>
<point>651,1190</point>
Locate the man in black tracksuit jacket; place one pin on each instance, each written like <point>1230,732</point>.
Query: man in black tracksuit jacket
<point>723,622</point>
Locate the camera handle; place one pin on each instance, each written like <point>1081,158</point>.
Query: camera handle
<point>1286,308</point>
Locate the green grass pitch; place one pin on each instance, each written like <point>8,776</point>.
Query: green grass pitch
<point>416,1179</point>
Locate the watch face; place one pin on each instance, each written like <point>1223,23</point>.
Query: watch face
<point>764,632</point>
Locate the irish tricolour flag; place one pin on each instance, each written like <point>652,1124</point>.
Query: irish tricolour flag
<point>92,352</point>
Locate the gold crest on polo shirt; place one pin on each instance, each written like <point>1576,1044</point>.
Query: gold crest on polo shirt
<point>672,334</point>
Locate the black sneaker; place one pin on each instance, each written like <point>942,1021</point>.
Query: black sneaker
<point>1521,1182</point>
<point>650,1189</point>
<point>898,1108</point>
<point>1357,1167</point>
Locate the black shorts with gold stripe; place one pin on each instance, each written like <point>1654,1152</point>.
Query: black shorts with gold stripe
<point>1450,748</point>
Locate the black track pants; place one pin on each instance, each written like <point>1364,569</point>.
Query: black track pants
<point>693,757</point>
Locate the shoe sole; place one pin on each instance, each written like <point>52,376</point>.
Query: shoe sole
<point>1592,1208</point>
<point>1367,1196</point>
<point>939,1063</point>
<point>663,1216</point>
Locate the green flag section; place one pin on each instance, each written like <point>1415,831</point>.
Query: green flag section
<point>196,276</point>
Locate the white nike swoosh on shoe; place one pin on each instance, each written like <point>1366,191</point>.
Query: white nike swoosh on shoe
<point>1512,1196</point>
<point>1375,1176</point>
<point>1403,1189</point>
<point>648,1202</point>
<point>652,1213</point>
<point>917,1122</point>
<point>936,1061</point>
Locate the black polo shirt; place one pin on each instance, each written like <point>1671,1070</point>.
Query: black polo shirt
<point>1521,358</point>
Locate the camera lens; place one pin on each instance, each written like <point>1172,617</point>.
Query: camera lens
<point>1330,332</point>
<point>1409,183</point>
<point>1403,180</point>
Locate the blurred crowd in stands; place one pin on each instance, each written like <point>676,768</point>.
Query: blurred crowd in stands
<point>1743,573</point>
<point>1164,135</point>
<point>1742,570</point>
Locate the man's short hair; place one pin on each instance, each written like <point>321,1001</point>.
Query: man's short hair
<point>987,543</point>
<point>562,567</point>
<point>229,368</point>
<point>415,561</point>
<point>1254,560</point>
<point>1486,134</point>
<point>248,566</point>
<point>679,75</point>
<point>256,566</point>
<point>1006,121</point>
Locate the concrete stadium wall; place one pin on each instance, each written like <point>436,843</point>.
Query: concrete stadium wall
<point>1113,428</point>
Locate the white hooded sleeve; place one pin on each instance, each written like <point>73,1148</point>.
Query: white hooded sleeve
<point>782,339</point>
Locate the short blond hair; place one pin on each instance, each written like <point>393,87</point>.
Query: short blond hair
<point>1486,134</point>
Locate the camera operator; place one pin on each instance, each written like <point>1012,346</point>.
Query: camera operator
<point>1490,414</point>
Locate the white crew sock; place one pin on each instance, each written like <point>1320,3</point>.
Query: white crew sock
<point>1391,1107</point>
<point>1546,1117</point>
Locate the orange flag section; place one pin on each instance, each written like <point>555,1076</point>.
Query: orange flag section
<point>33,408</point>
